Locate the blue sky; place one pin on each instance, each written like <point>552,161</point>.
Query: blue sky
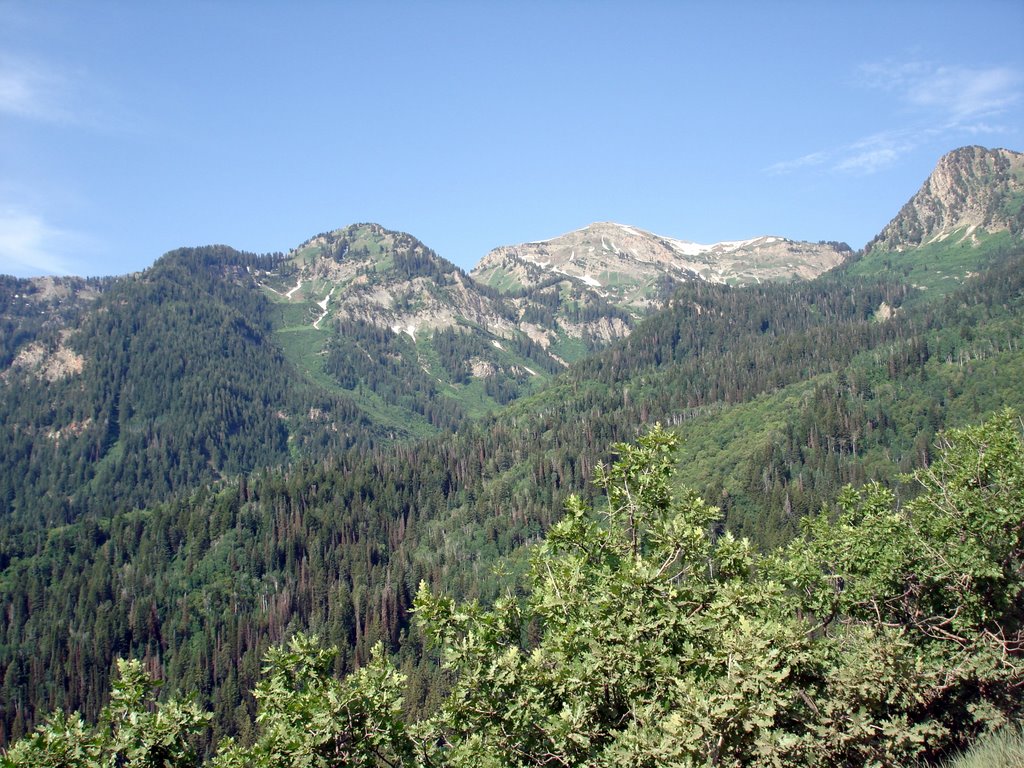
<point>128,129</point>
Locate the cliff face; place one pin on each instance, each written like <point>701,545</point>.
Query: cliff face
<point>972,190</point>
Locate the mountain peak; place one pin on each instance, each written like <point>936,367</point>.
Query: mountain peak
<point>367,273</point>
<point>972,190</point>
<point>364,245</point>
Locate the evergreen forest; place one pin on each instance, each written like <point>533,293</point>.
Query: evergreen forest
<point>882,635</point>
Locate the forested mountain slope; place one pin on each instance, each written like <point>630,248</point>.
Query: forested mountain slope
<point>118,392</point>
<point>169,380</point>
<point>780,393</point>
<point>890,635</point>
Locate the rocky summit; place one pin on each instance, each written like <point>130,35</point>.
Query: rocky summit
<point>634,268</point>
<point>972,192</point>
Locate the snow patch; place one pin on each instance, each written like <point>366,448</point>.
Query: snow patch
<point>630,230</point>
<point>323,306</point>
<point>735,245</point>
<point>327,298</point>
<point>410,329</point>
<point>688,248</point>
<point>968,233</point>
<point>293,290</point>
<point>497,344</point>
<point>590,281</point>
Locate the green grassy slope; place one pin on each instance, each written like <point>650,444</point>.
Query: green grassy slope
<point>940,267</point>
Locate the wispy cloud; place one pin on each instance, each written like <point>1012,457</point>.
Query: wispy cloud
<point>869,161</point>
<point>879,151</point>
<point>29,90</point>
<point>933,101</point>
<point>959,94</point>
<point>31,246</point>
<point>807,161</point>
<point>36,90</point>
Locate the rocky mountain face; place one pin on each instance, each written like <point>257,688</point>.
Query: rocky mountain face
<point>36,317</point>
<point>376,315</point>
<point>387,279</point>
<point>972,192</point>
<point>367,276</point>
<point>635,269</point>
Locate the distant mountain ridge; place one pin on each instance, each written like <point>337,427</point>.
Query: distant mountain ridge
<point>366,334</point>
<point>391,280</point>
<point>379,319</point>
<point>521,315</point>
<point>631,267</point>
